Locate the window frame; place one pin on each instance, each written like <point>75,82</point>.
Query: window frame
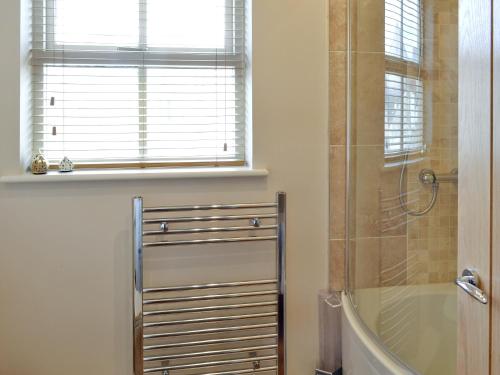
<point>53,53</point>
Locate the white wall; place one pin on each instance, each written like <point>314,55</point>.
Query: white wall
<point>65,249</point>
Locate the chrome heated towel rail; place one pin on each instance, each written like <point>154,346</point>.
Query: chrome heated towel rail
<point>216,328</point>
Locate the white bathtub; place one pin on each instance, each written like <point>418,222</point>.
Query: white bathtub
<point>403,330</point>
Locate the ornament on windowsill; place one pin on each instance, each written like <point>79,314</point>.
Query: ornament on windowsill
<point>39,165</point>
<point>65,165</point>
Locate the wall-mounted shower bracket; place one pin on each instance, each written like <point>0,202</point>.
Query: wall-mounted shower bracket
<point>427,176</point>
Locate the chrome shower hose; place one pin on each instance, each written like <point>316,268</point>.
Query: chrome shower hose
<point>403,202</point>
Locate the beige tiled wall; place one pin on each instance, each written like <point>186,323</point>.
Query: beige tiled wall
<point>387,248</point>
<point>338,124</point>
<point>432,240</point>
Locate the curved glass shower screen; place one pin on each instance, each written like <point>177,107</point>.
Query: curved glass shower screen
<point>402,191</point>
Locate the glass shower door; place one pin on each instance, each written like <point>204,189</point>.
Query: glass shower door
<point>418,94</point>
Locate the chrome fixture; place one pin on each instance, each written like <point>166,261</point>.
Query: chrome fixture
<point>262,316</point>
<point>256,222</point>
<point>164,227</point>
<point>450,177</point>
<point>469,281</point>
<point>426,177</point>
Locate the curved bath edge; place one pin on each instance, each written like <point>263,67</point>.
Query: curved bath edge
<point>362,354</point>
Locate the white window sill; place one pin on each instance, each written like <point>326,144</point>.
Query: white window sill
<point>134,174</point>
<point>399,162</point>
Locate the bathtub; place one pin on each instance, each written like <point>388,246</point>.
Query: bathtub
<point>403,330</point>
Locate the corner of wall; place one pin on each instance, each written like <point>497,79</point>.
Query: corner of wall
<point>338,48</point>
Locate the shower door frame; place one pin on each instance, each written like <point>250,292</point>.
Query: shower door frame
<point>474,181</point>
<point>495,251</point>
<point>479,184</point>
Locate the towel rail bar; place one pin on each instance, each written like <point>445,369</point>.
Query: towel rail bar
<point>210,330</point>
<point>209,308</point>
<point>208,286</point>
<point>208,218</point>
<point>209,297</point>
<point>208,230</point>
<point>210,353</point>
<point>209,207</point>
<point>209,241</point>
<point>211,342</point>
<point>213,363</point>
<point>210,320</point>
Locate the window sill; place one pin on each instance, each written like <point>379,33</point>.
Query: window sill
<point>135,174</point>
<point>393,164</point>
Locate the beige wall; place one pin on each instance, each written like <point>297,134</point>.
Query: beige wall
<point>65,248</point>
<point>338,123</point>
<point>386,246</point>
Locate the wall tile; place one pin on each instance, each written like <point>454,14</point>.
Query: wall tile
<point>337,191</point>
<point>338,25</point>
<point>367,100</point>
<point>368,26</point>
<point>367,262</point>
<point>393,261</point>
<point>337,259</point>
<point>338,98</point>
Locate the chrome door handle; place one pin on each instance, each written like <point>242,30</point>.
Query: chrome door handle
<point>469,282</point>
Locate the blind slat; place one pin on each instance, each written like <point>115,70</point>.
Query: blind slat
<point>403,29</point>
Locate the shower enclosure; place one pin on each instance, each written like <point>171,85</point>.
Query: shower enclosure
<point>418,133</point>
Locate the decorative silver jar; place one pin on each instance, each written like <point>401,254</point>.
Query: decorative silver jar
<point>65,165</point>
<point>39,164</point>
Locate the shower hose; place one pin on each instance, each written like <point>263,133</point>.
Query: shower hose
<point>403,202</point>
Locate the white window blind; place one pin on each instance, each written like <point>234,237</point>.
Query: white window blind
<point>404,101</point>
<point>404,91</point>
<point>139,81</point>
<point>403,29</point>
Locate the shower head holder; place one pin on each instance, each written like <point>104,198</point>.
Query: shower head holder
<point>427,177</point>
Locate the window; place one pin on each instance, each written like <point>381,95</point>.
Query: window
<point>403,114</point>
<point>139,82</point>
<point>404,91</point>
